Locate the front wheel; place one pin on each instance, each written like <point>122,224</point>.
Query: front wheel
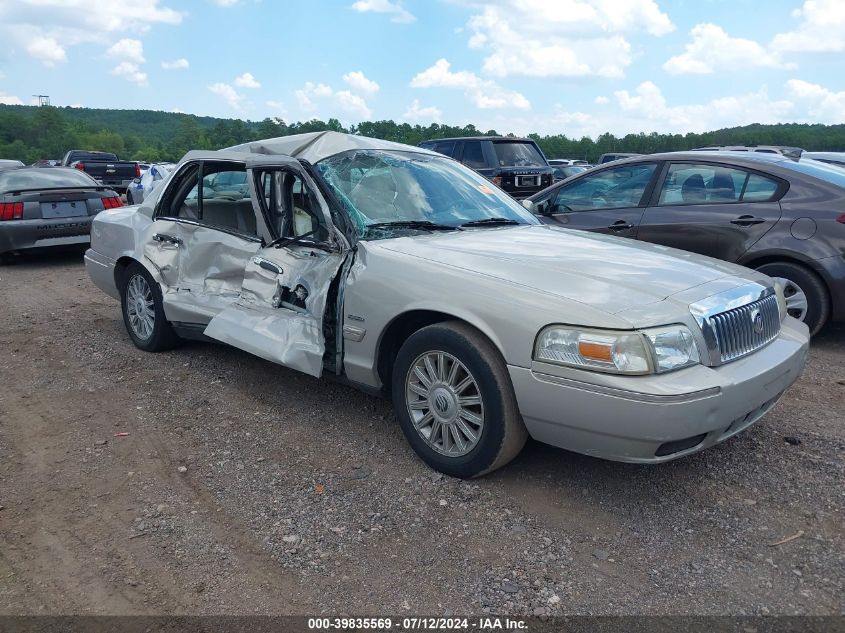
<point>806,295</point>
<point>143,311</point>
<point>455,401</point>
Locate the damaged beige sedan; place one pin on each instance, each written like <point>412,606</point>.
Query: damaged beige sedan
<point>400,271</point>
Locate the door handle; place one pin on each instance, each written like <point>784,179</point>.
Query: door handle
<point>267,265</point>
<point>747,220</point>
<point>620,225</point>
<point>162,238</point>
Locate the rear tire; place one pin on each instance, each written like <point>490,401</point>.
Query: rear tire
<point>800,280</point>
<point>143,311</point>
<point>465,422</point>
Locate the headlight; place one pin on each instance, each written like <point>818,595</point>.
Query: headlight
<point>656,350</point>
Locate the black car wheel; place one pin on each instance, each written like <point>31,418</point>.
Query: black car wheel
<point>806,296</point>
<point>143,311</point>
<point>455,401</point>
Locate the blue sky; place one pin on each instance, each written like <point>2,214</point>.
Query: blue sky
<point>577,67</point>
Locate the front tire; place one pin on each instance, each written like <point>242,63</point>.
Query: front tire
<point>455,401</point>
<point>143,311</point>
<point>807,298</point>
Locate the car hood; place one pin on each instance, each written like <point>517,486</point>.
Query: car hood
<point>608,273</point>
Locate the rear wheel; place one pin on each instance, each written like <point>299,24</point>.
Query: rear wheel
<point>455,401</point>
<point>143,311</point>
<point>806,295</point>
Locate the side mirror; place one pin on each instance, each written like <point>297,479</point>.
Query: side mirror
<point>529,205</point>
<point>137,181</point>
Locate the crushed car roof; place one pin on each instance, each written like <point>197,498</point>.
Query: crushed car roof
<point>315,146</point>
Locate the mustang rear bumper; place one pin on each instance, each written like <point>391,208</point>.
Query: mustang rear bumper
<point>18,235</point>
<point>652,419</point>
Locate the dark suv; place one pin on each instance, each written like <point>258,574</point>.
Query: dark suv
<point>517,165</point>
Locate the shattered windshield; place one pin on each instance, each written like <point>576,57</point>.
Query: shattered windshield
<point>392,193</point>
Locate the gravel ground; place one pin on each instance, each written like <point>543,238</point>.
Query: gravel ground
<point>246,488</point>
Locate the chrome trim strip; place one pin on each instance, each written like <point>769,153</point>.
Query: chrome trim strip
<point>636,396</point>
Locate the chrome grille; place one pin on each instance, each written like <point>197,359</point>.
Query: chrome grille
<point>736,332</point>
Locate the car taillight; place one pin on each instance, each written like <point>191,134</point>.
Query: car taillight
<point>137,170</point>
<point>79,166</point>
<point>11,210</point>
<point>841,218</point>
<point>112,203</point>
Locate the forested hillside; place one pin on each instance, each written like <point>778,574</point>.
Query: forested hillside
<point>29,133</point>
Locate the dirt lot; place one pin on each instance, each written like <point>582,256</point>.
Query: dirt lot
<point>243,487</point>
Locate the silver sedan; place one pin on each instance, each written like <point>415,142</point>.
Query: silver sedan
<point>403,272</point>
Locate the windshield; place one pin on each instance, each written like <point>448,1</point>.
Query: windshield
<point>518,154</point>
<point>380,187</point>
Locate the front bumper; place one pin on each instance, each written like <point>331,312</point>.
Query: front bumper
<point>19,235</point>
<point>651,419</point>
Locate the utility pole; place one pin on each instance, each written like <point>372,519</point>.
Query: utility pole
<point>43,100</point>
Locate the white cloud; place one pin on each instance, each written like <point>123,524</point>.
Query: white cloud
<point>225,3</point>
<point>228,94</point>
<point>46,49</point>
<point>129,49</point>
<point>416,113</point>
<point>601,100</point>
<point>820,104</point>
<point>359,82</point>
<point>9,99</point>
<point>176,64</point>
<point>45,29</point>
<point>569,38</point>
<point>821,29</point>
<point>395,9</point>
<point>712,50</point>
<point>484,93</point>
<point>353,104</point>
<point>247,81</point>
<point>277,106</point>
<point>130,72</point>
<point>306,95</point>
<point>645,109</point>
<point>344,100</point>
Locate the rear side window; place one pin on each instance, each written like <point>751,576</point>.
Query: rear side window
<point>518,154</point>
<point>714,184</point>
<point>219,199</point>
<point>473,155</point>
<point>759,188</point>
<point>444,147</point>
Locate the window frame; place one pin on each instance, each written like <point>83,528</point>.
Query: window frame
<point>163,206</point>
<point>780,191</point>
<point>258,173</point>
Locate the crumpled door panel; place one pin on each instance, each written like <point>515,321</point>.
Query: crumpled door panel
<point>162,253</point>
<point>279,314</point>
<point>214,261</point>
